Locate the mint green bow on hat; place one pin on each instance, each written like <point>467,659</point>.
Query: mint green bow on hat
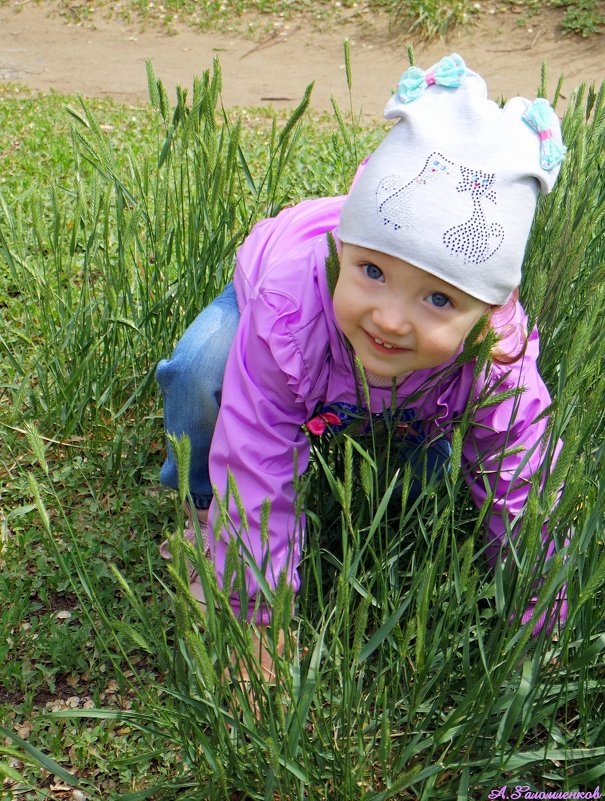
<point>539,116</point>
<point>450,71</point>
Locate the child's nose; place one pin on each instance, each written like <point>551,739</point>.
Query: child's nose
<point>392,318</point>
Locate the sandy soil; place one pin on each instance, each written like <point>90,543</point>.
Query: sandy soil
<point>40,49</point>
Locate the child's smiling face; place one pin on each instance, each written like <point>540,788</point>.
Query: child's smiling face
<point>397,317</point>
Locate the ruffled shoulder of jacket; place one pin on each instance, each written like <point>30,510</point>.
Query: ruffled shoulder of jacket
<point>517,380</point>
<point>276,240</point>
<point>516,353</point>
<point>288,316</point>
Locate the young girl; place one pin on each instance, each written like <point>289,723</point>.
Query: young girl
<point>430,238</point>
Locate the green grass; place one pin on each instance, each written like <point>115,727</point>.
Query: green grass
<point>582,17</point>
<point>404,677</point>
<point>431,18</point>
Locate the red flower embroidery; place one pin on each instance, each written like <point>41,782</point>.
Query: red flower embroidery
<point>317,425</point>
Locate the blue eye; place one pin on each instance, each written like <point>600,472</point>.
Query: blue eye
<point>373,272</point>
<point>439,300</point>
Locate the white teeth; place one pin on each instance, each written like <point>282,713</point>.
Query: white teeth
<point>380,342</point>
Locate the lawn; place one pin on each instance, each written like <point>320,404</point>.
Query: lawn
<point>405,675</point>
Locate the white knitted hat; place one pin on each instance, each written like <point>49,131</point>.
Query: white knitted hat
<point>452,188</point>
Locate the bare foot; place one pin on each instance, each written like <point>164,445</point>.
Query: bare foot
<point>202,516</point>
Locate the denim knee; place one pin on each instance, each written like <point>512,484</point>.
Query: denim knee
<point>191,383</point>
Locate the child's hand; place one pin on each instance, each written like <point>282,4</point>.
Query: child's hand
<point>263,652</point>
<point>264,666</point>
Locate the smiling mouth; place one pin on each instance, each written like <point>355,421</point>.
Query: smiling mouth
<point>382,345</point>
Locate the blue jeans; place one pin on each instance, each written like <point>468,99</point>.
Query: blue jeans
<point>430,462</point>
<point>191,382</point>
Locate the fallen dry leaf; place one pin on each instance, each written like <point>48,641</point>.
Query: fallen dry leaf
<point>23,730</point>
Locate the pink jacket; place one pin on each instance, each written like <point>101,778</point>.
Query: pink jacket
<point>288,357</point>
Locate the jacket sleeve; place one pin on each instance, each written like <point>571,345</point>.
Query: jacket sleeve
<point>259,441</point>
<point>506,449</point>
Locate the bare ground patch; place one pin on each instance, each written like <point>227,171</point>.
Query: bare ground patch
<point>106,57</point>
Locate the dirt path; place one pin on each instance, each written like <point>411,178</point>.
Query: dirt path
<point>40,49</point>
